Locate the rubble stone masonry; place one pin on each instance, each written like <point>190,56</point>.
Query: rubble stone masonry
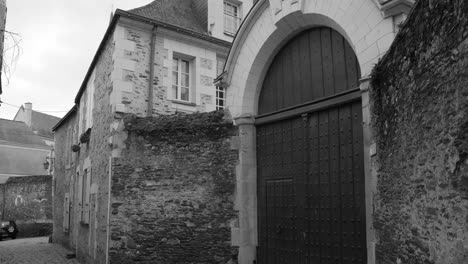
<point>173,191</point>
<point>27,198</point>
<point>89,241</point>
<point>62,175</point>
<point>419,104</point>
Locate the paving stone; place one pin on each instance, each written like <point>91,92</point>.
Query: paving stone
<point>33,251</point>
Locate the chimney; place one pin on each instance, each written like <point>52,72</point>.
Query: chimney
<point>28,114</point>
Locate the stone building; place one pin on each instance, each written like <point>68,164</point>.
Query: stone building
<point>339,160</point>
<point>328,173</point>
<point>25,188</point>
<point>22,152</point>
<point>159,59</point>
<point>40,123</point>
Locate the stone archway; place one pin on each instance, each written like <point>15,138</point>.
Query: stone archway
<point>270,25</point>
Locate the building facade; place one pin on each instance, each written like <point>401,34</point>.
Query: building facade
<point>22,152</point>
<point>297,82</point>
<point>25,186</point>
<point>329,174</point>
<point>41,124</point>
<point>159,59</point>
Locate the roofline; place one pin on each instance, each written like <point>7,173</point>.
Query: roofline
<point>21,107</point>
<point>175,28</point>
<point>121,13</point>
<point>100,49</point>
<point>14,144</point>
<point>11,120</point>
<point>399,34</point>
<point>239,40</point>
<point>64,118</point>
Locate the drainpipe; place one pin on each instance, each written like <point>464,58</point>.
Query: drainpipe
<point>151,78</point>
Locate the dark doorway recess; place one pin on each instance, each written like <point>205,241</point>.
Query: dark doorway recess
<point>311,203</point>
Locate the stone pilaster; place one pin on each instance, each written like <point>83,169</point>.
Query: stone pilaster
<point>246,200</point>
<point>370,175</point>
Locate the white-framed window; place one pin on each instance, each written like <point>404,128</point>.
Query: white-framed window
<point>181,79</point>
<point>232,18</point>
<point>220,98</point>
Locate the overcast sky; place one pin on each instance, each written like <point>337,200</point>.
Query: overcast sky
<point>58,41</point>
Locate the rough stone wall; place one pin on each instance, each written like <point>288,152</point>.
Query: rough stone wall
<point>62,175</point>
<point>137,101</point>
<point>173,191</point>
<point>89,241</point>
<point>27,198</point>
<point>419,104</point>
<point>92,238</point>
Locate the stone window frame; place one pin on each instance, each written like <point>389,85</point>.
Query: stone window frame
<point>220,98</point>
<point>233,16</point>
<point>177,83</point>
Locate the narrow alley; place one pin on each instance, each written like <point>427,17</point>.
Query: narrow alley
<point>33,251</point>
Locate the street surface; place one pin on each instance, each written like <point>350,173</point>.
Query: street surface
<point>33,251</point>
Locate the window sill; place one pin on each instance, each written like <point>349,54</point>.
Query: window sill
<point>183,102</point>
<point>229,34</point>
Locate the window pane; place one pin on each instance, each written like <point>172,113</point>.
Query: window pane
<point>175,93</point>
<point>185,66</point>
<point>175,64</point>
<point>185,80</point>
<point>175,78</point>
<point>184,94</point>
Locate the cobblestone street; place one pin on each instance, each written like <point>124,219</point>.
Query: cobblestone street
<point>33,251</point>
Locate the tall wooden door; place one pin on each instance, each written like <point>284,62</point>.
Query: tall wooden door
<point>310,154</point>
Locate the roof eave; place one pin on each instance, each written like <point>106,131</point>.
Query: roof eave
<point>172,27</point>
<point>101,47</point>
<point>118,13</point>
<point>62,121</point>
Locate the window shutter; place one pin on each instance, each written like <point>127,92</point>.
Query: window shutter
<point>86,207</point>
<point>80,197</point>
<point>66,212</point>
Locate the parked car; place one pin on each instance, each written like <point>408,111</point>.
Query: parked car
<point>8,229</point>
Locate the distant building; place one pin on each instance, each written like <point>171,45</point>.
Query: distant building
<point>158,59</point>
<point>22,152</point>
<point>40,123</point>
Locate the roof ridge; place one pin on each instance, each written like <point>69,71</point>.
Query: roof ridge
<point>45,114</point>
<point>12,120</point>
<point>179,13</point>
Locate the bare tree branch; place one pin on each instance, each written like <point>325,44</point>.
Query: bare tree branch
<point>11,53</point>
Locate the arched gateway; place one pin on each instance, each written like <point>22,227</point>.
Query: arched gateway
<point>296,81</point>
<point>310,175</point>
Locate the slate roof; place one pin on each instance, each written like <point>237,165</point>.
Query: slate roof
<point>18,132</point>
<point>43,123</point>
<point>22,161</point>
<point>21,151</point>
<point>179,13</point>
